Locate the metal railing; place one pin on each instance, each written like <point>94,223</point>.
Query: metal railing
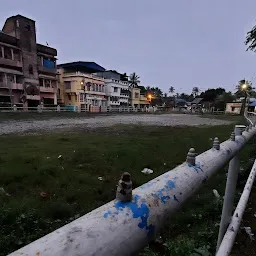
<point>127,224</point>
<point>73,108</point>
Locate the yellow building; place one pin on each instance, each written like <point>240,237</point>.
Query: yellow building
<point>79,88</point>
<point>137,99</point>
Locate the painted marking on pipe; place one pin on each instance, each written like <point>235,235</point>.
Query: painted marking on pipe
<point>139,211</point>
<point>162,194</point>
<point>196,167</point>
<point>175,198</point>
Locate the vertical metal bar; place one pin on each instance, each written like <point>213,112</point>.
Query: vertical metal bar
<point>233,170</point>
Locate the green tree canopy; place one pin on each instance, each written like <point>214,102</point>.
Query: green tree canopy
<point>250,40</point>
<point>171,90</point>
<point>134,80</point>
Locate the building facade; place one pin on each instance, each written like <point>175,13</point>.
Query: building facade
<point>138,100</point>
<point>117,91</point>
<point>27,69</point>
<point>80,88</point>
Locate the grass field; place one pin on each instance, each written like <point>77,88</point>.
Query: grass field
<point>66,168</point>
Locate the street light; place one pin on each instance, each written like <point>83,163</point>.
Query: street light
<point>244,86</point>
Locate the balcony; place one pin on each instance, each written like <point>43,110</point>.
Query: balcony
<point>116,103</point>
<point>47,69</point>
<point>78,73</point>
<point>9,62</point>
<point>33,97</point>
<point>47,89</point>
<point>13,86</point>
<point>46,49</point>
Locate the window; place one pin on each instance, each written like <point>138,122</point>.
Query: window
<point>53,84</point>
<point>41,82</point>
<point>115,89</point>
<point>69,97</point>
<point>47,83</point>
<point>81,97</point>
<point>7,53</point>
<point>67,85</point>
<point>28,28</point>
<point>233,109</point>
<point>30,70</point>
<point>10,78</point>
<point>137,95</point>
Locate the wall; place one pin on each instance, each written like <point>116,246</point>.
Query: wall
<point>233,108</point>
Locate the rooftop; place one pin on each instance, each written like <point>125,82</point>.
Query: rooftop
<point>82,66</point>
<point>196,100</point>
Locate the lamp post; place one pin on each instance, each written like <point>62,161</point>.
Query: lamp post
<point>247,96</point>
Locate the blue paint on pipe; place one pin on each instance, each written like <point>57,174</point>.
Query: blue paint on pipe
<point>139,211</point>
<point>196,167</point>
<point>162,194</point>
<point>175,198</point>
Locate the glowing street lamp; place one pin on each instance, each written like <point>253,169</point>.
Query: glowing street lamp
<point>244,86</point>
<point>150,97</point>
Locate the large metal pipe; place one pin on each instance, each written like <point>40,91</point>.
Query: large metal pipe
<point>229,238</point>
<point>123,228</point>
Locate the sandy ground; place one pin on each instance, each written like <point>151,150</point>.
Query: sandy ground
<point>22,126</point>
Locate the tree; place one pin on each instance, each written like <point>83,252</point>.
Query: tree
<point>250,40</point>
<point>171,90</point>
<point>186,97</point>
<point>158,92</point>
<point>134,80</point>
<point>223,99</point>
<point>165,95</point>
<point>210,95</point>
<point>124,77</point>
<point>195,91</point>
<point>143,90</point>
<point>244,87</point>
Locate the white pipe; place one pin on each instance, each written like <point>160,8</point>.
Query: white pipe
<point>124,228</point>
<point>229,238</point>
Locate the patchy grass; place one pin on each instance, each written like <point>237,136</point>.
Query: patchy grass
<point>66,167</point>
<point>232,118</point>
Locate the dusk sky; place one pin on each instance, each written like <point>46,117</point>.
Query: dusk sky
<point>180,43</point>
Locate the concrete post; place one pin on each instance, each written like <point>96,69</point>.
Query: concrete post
<point>39,108</point>
<point>216,143</point>
<point>124,188</point>
<point>191,157</point>
<point>58,108</point>
<point>233,170</point>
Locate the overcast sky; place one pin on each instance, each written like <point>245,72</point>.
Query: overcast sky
<point>180,43</point>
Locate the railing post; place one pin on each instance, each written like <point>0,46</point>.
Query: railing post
<point>233,170</point>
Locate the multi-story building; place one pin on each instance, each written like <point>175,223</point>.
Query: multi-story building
<point>117,91</point>
<point>80,87</point>
<point>137,99</point>
<point>27,69</point>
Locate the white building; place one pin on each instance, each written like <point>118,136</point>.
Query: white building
<point>117,92</point>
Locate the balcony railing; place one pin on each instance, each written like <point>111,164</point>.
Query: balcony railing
<point>13,86</point>
<point>47,89</point>
<point>47,70</point>
<point>9,62</point>
<point>78,73</point>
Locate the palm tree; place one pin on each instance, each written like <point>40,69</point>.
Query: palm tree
<point>165,95</point>
<point>250,40</point>
<point>195,91</point>
<point>171,90</point>
<point>134,80</point>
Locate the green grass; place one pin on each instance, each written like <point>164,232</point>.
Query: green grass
<point>30,165</point>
